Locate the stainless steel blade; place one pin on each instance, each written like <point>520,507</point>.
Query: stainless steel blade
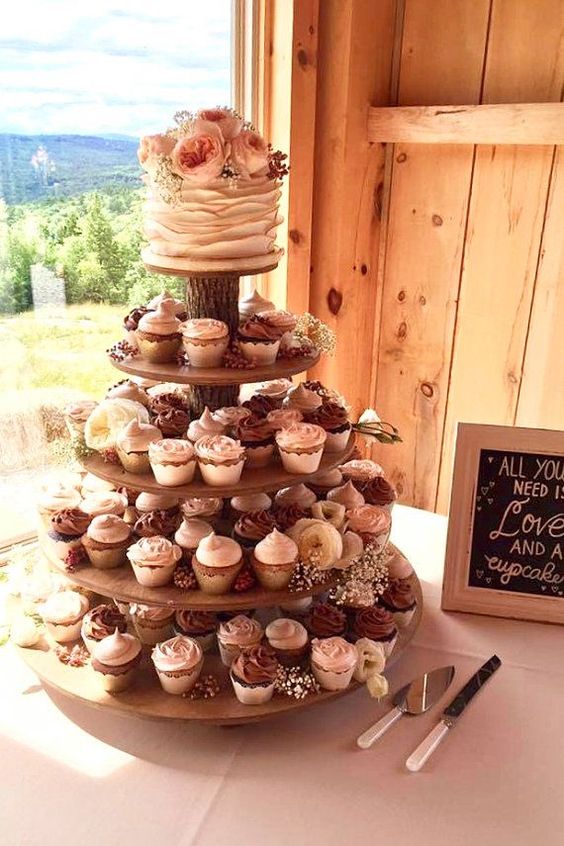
<point>422,693</point>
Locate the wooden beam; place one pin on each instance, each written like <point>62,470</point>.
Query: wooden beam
<point>513,123</point>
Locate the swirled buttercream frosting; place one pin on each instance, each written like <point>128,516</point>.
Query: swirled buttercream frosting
<point>285,633</point>
<point>196,623</point>
<point>219,449</point>
<point>70,522</point>
<point>161,321</point>
<point>206,424</point>
<point>282,418</point>
<point>102,621</point>
<point>64,607</point>
<point>375,623</point>
<point>254,525</point>
<point>361,469</point>
<point>177,653</point>
<point>276,548</point>
<point>240,631</point>
<point>295,495</point>
<point>191,532</point>
<point>326,621</point>
<point>231,415</point>
<point>204,329</point>
<point>301,437</point>
<point>333,654</point>
<point>379,491</point>
<point>171,451</point>
<point>104,502</point>
<point>206,506</point>
<point>108,528</point>
<point>251,502</point>
<point>253,304</point>
<point>218,551</point>
<point>116,649</point>
<point>256,666</point>
<point>156,523</point>
<point>304,400</point>
<point>154,552</point>
<point>369,519</point>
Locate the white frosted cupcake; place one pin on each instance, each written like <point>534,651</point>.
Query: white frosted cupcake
<point>158,334</point>
<point>216,563</point>
<point>76,414</point>
<point>132,445</point>
<point>299,495</point>
<point>178,305</point>
<point>147,501</point>
<point>153,623</point>
<point>206,424</point>
<point>282,418</point>
<point>189,534</point>
<point>106,541</point>
<point>289,639</point>
<point>128,389</point>
<point>220,459</point>
<point>104,502</point>
<point>62,614</point>
<point>172,461</point>
<point>253,303</point>
<point>230,416</point>
<point>249,502</point>
<point>253,675</point>
<point>207,508</point>
<point>238,634</point>
<point>372,523</point>
<point>303,400</point>
<point>301,447</point>
<point>205,341</point>
<point>93,484</point>
<point>115,660</point>
<point>178,663</point>
<point>346,495</point>
<point>153,560</point>
<point>333,661</point>
<point>274,560</point>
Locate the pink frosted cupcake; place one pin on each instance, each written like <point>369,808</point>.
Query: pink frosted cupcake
<point>259,341</point>
<point>289,639</point>
<point>220,460</point>
<point>299,495</point>
<point>333,661</point>
<point>372,523</point>
<point>274,560</point>
<point>205,341</point>
<point>147,501</point>
<point>178,663</point>
<point>303,400</point>
<point>253,303</point>
<point>54,499</point>
<point>301,447</point>
<point>158,334</point>
<point>62,614</point>
<point>282,418</point>
<point>153,560</point>
<point>152,623</point>
<point>106,541</point>
<point>76,414</point>
<point>256,435</point>
<point>189,535</point>
<point>238,634</point>
<point>253,675</point>
<point>179,305</point>
<point>206,424</point>
<point>208,508</point>
<point>346,495</point>
<point>216,563</point>
<point>128,389</point>
<point>115,660</point>
<point>230,417</point>
<point>104,502</point>
<point>172,461</point>
<point>132,445</point>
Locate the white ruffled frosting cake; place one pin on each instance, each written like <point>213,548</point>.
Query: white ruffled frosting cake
<point>213,193</point>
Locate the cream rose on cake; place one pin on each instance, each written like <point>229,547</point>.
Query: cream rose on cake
<point>199,158</point>
<point>109,418</point>
<point>205,341</point>
<point>178,663</point>
<point>220,459</point>
<point>153,560</point>
<point>216,562</point>
<point>173,461</point>
<point>301,447</point>
<point>274,560</point>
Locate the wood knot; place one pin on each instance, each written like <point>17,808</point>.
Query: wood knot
<point>334,301</point>
<point>422,300</point>
<point>401,158</point>
<point>401,296</point>
<point>437,220</point>
<point>363,269</point>
<point>294,236</point>
<point>378,200</point>
<point>302,58</point>
<point>512,378</point>
<point>402,331</point>
<point>427,390</point>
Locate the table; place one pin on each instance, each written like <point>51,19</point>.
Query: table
<point>72,774</point>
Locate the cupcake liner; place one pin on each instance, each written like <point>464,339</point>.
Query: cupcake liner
<point>252,694</point>
<point>263,352</point>
<point>221,474</point>
<point>337,441</point>
<point>215,580</point>
<point>64,632</point>
<point>273,576</point>
<point>330,680</point>
<point>159,352</point>
<point>134,462</point>
<point>61,547</point>
<point>116,683</point>
<point>229,651</point>
<point>301,462</point>
<point>206,353</point>
<point>153,576</point>
<point>178,682</point>
<point>259,456</point>
<point>171,475</point>
<point>151,632</point>
<point>106,559</point>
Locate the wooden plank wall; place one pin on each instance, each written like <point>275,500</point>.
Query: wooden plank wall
<point>440,266</point>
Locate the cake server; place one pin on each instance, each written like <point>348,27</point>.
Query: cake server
<point>414,698</point>
<point>451,713</point>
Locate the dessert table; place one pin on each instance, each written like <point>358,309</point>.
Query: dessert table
<point>74,774</point>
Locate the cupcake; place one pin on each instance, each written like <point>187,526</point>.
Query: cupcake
<point>249,502</point>
<point>252,527</point>
<point>62,614</point>
<point>152,623</point>
<point>288,515</point>
<point>299,495</point>
<point>360,471</point>
<point>208,508</point>
<point>128,389</point>
<point>54,499</point>
<point>147,501</point>
<point>253,674</point>
<point>173,423</point>
<point>289,639</point>
<point>106,541</point>
<point>76,414</point>
<point>237,634</point>
<point>201,626</point>
<point>220,460</point>
<point>179,305</point>
<point>284,321</point>
<point>282,418</point>
<point>158,523</point>
<point>158,334</point>
<point>259,341</point>
<point>216,563</point>
<point>378,491</point>
<point>400,600</point>
<point>372,523</point>
<point>178,663</point>
<point>101,622</point>
<point>165,400</point>
<point>172,461</point>
<point>275,389</point>
<point>324,482</point>
<point>230,416</point>
<point>259,405</point>
<point>189,535</point>
<point>205,341</point>
<point>153,560</point>
<point>377,624</point>
<point>115,660</point>
<point>206,424</point>
<point>303,400</point>
<point>332,512</point>
<point>253,303</point>
<point>334,419</point>
<point>132,446</point>
<point>104,502</point>
<point>67,529</point>
<point>301,447</point>
<point>333,661</point>
<point>326,621</point>
<point>274,560</point>
<point>256,435</point>
<point>346,495</point>
<point>398,566</point>
<point>131,322</point>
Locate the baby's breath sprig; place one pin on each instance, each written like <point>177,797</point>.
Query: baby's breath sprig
<point>317,332</point>
<point>295,682</point>
<point>364,580</point>
<point>306,575</point>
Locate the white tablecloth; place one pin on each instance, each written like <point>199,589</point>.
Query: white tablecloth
<point>75,776</point>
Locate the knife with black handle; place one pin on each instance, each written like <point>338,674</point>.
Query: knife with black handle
<point>451,713</point>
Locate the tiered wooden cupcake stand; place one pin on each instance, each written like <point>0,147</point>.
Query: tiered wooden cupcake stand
<point>146,698</point>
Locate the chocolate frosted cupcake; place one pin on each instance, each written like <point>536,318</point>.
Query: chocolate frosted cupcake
<point>378,491</point>
<point>334,419</point>
<point>161,403</point>
<point>400,600</point>
<point>199,625</point>
<point>252,527</point>
<point>259,340</point>
<point>253,674</point>
<point>156,523</point>
<point>238,633</point>
<point>257,437</point>
<point>259,405</point>
<point>101,622</point>
<point>173,423</point>
<point>67,529</point>
<point>289,639</point>
<point>377,624</point>
<point>288,515</point>
<point>326,621</point>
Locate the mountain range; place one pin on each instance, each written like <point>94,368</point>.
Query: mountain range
<point>34,167</point>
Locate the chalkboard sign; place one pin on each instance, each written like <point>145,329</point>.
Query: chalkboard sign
<point>505,549</point>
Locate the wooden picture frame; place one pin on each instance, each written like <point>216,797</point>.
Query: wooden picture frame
<point>505,545</point>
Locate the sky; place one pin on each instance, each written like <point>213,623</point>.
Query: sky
<point>93,67</point>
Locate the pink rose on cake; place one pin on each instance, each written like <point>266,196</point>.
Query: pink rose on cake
<point>154,145</point>
<point>249,153</point>
<point>200,158</point>
<point>229,124</point>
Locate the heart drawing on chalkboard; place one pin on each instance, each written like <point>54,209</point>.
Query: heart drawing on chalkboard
<point>490,500</point>
<point>554,588</point>
<point>490,458</point>
<point>485,490</point>
<point>488,580</point>
<point>543,587</point>
<point>492,484</point>
<point>479,573</point>
<point>478,508</point>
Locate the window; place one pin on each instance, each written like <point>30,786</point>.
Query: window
<point>78,84</point>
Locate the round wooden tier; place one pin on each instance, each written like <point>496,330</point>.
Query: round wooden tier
<point>186,375</point>
<point>147,699</point>
<point>175,266</point>
<point>254,480</point>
